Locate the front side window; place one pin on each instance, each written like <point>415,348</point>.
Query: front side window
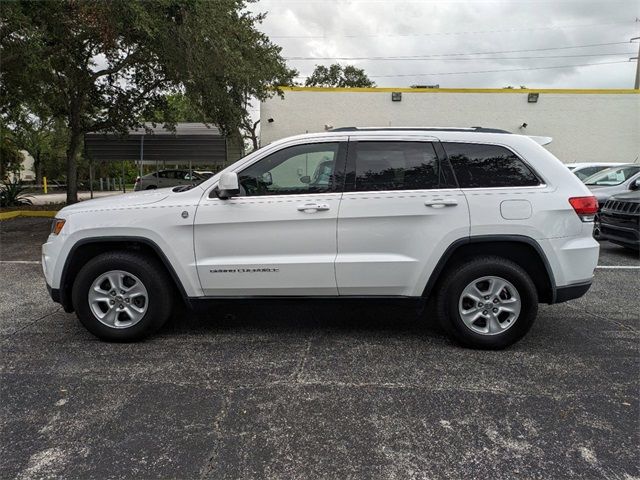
<point>488,166</point>
<point>613,176</point>
<point>294,170</point>
<point>377,166</point>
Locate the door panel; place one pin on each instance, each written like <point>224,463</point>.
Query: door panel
<point>279,236</point>
<point>389,241</point>
<point>266,245</point>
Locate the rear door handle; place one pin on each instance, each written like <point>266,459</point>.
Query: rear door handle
<point>313,207</point>
<point>441,202</point>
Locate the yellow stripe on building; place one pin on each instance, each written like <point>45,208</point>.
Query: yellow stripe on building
<point>568,91</point>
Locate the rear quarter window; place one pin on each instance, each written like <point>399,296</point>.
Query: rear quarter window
<point>488,166</point>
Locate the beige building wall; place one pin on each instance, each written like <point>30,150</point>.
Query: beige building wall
<point>586,125</point>
<point>27,173</point>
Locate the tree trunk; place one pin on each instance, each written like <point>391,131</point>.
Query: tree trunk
<point>72,167</point>
<point>251,130</point>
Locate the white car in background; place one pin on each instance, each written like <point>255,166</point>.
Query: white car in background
<point>614,181</point>
<point>584,170</point>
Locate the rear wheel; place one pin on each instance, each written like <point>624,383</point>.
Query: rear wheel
<point>122,296</point>
<point>489,303</point>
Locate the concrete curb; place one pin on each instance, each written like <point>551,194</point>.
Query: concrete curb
<point>27,213</point>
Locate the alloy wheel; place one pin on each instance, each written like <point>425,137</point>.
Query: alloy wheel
<point>489,305</point>
<point>118,299</point>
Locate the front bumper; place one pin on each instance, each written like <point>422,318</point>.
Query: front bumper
<point>622,235</point>
<point>54,293</point>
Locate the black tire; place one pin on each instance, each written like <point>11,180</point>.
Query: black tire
<point>455,281</point>
<point>150,272</point>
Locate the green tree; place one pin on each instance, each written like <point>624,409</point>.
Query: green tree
<point>338,76</point>
<point>179,108</point>
<point>39,134</point>
<point>108,66</point>
<point>10,155</point>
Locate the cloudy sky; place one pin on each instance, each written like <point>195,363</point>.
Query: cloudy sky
<point>429,42</point>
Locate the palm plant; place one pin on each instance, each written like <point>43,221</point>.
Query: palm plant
<point>12,194</point>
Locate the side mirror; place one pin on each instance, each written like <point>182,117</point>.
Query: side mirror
<point>635,185</point>
<point>228,185</point>
<point>266,178</point>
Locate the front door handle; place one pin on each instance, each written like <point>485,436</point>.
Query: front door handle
<point>313,207</point>
<point>441,202</point>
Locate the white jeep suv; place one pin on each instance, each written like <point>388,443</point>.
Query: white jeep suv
<point>487,223</point>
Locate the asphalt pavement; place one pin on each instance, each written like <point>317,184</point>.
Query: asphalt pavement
<point>308,390</point>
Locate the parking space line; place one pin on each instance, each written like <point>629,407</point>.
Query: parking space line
<point>621,267</point>
<point>28,262</point>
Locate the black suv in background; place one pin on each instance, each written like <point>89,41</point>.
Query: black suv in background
<point>620,220</point>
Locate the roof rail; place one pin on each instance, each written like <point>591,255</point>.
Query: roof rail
<point>425,129</point>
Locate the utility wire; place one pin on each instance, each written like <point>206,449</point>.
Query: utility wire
<point>435,59</point>
<point>406,57</point>
<point>434,34</point>
<point>489,71</point>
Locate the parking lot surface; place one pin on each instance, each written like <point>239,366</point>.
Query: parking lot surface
<point>310,390</point>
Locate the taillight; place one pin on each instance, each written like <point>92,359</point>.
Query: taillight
<point>585,207</point>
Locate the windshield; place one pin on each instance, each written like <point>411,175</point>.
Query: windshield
<point>586,172</point>
<point>613,176</point>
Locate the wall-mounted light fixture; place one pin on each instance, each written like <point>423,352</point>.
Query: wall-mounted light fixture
<point>533,97</point>
<point>396,96</point>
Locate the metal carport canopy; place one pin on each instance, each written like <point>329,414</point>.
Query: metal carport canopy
<point>191,143</point>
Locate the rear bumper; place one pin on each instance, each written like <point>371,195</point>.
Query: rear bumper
<point>573,260</point>
<point>570,292</point>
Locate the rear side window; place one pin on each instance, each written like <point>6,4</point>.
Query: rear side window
<point>376,166</point>
<point>488,166</point>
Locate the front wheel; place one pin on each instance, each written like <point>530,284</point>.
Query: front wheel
<point>488,303</point>
<point>122,296</point>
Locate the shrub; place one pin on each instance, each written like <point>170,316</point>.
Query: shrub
<point>12,194</point>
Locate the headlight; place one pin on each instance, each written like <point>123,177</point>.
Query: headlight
<point>57,225</point>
